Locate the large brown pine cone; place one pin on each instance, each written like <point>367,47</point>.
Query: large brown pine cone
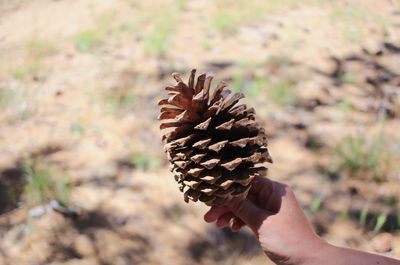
<point>215,146</point>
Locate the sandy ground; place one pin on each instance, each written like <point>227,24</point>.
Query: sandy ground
<point>79,83</point>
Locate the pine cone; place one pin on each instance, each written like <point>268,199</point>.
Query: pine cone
<point>215,146</point>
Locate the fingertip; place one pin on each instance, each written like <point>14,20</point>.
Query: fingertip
<point>225,219</point>
<point>207,217</point>
<point>214,213</point>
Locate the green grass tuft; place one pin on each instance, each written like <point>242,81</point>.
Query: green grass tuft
<point>356,155</point>
<point>344,214</point>
<point>349,12</point>
<point>351,19</point>
<point>230,15</point>
<point>250,87</point>
<point>120,103</point>
<point>77,128</point>
<point>280,93</point>
<point>363,215</point>
<point>7,96</point>
<point>283,92</point>
<point>363,156</point>
<point>158,41</point>
<point>181,4</point>
<point>225,22</point>
<point>145,162</point>
<point>380,222</point>
<point>345,105</point>
<point>207,44</point>
<point>34,65</point>
<point>315,205</point>
<point>44,185</point>
<point>348,77</point>
<point>88,40</point>
<point>398,220</point>
<point>39,48</point>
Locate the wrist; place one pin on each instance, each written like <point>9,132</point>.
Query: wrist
<point>316,252</point>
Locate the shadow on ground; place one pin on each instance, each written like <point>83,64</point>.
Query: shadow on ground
<point>98,236</point>
<point>221,245</point>
<point>376,81</point>
<point>13,178</point>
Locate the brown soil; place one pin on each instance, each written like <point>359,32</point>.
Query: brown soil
<point>79,82</point>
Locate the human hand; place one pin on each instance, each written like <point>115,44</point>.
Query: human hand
<point>272,212</point>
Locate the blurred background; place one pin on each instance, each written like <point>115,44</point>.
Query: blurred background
<point>83,178</point>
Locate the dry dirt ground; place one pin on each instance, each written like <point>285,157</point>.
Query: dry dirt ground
<point>79,83</point>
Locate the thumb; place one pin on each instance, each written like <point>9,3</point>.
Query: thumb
<point>252,215</point>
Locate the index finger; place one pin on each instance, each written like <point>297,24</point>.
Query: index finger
<point>215,212</point>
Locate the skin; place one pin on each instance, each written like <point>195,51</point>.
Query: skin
<point>272,212</point>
